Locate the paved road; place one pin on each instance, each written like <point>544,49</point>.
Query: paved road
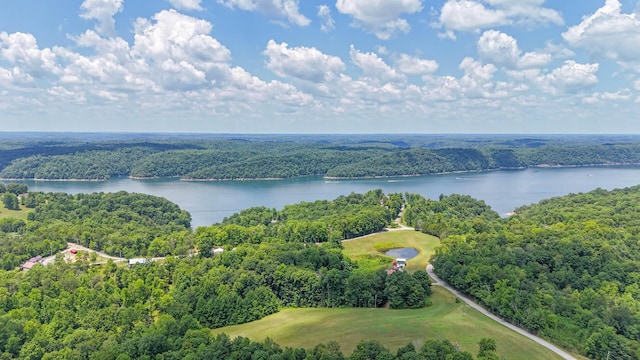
<point>521,331</point>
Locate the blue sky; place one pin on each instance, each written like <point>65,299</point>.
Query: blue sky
<point>345,66</point>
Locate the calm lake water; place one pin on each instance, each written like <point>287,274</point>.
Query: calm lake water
<point>210,202</point>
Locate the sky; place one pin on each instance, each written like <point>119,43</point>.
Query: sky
<point>319,66</point>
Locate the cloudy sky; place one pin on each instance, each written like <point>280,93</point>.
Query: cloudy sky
<point>320,66</point>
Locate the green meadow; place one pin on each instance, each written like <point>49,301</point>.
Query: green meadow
<point>18,214</point>
<point>369,250</point>
<point>445,319</point>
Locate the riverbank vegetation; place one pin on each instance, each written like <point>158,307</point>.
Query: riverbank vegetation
<point>282,157</point>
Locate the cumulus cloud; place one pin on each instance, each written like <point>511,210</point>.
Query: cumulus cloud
<point>569,78</point>
<point>608,33</point>
<point>302,62</point>
<point>597,97</point>
<point>287,9</point>
<point>373,67</point>
<point>12,78</point>
<point>499,48</point>
<point>180,47</point>
<point>475,15</point>
<point>411,65</point>
<point>22,50</point>
<point>186,4</point>
<point>381,17</point>
<point>477,78</point>
<point>572,77</point>
<point>324,13</point>
<point>102,11</point>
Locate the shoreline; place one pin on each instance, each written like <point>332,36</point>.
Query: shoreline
<point>143,178</point>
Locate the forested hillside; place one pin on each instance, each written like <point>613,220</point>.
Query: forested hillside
<point>270,259</point>
<point>285,157</point>
<point>567,268</point>
<point>120,224</point>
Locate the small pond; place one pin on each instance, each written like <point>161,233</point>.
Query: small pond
<point>406,253</point>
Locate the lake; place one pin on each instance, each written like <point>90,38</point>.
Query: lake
<point>402,253</point>
<point>210,202</point>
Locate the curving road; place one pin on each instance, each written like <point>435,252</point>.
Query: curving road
<point>482,310</point>
<point>67,254</point>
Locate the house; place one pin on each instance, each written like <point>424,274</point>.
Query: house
<point>398,265</point>
<point>217,251</point>
<point>27,265</point>
<point>31,262</point>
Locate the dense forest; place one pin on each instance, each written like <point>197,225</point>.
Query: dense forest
<point>567,269</point>
<point>270,259</point>
<point>289,157</point>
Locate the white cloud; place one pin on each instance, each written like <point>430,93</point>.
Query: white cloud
<point>186,4</point>
<point>390,28</point>
<point>415,66</point>
<point>287,9</point>
<point>102,11</point>
<point>381,17</point>
<point>465,15</point>
<point>302,63</point>
<point>324,13</point>
<point>373,67</point>
<point>474,15</point>
<point>499,48</point>
<point>181,49</point>
<point>573,76</point>
<point>502,49</point>
<point>608,97</point>
<point>608,33</point>
<point>22,50</point>
<point>534,59</point>
<point>477,79</point>
<point>10,78</point>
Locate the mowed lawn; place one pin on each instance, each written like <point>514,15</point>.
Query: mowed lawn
<point>445,319</point>
<point>18,214</point>
<point>364,248</point>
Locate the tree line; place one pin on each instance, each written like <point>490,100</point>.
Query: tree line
<point>279,159</point>
<point>163,310</point>
<point>567,268</point>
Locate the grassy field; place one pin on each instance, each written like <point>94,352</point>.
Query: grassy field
<point>445,319</point>
<point>364,249</point>
<point>18,214</point>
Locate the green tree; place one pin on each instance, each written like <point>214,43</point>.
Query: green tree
<point>328,351</point>
<point>487,349</point>
<point>10,201</point>
<point>371,350</point>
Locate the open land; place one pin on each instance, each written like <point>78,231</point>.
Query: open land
<point>445,319</point>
